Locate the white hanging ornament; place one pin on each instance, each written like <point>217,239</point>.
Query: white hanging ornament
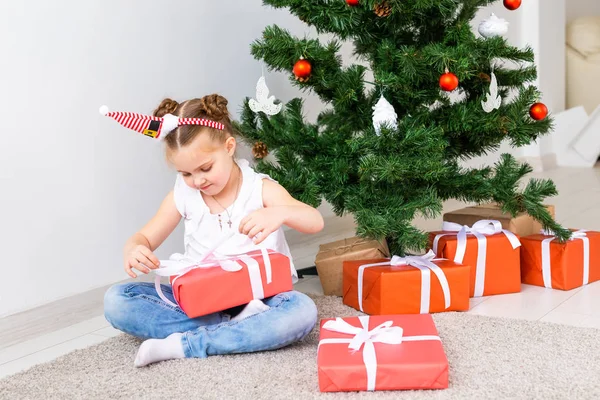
<point>493,101</point>
<point>493,26</point>
<point>263,102</point>
<point>384,113</point>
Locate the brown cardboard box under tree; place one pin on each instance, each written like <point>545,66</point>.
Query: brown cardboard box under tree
<point>521,225</point>
<point>331,256</point>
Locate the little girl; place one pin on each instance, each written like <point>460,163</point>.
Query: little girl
<point>215,194</point>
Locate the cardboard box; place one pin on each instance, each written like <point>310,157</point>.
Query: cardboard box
<point>331,256</point>
<point>521,225</point>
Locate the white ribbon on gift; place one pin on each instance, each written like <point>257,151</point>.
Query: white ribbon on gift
<point>425,265</point>
<point>480,229</point>
<point>546,268</point>
<point>182,266</point>
<point>384,333</point>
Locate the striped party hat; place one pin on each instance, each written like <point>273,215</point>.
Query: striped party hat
<point>156,127</point>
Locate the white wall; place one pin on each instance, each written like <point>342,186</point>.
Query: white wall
<point>75,185</point>
<point>552,61</point>
<point>543,28</point>
<point>582,8</point>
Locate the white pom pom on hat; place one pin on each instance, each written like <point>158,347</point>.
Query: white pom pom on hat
<point>170,122</point>
<point>103,110</point>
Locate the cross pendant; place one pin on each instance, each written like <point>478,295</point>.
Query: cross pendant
<point>220,223</point>
<point>229,223</point>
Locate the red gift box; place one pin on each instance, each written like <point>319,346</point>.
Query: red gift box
<point>492,253</point>
<point>548,263</point>
<point>381,353</point>
<point>218,284</point>
<point>406,285</point>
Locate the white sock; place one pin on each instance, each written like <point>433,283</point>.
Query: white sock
<point>154,350</point>
<point>254,307</point>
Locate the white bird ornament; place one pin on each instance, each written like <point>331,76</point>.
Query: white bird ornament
<point>493,101</point>
<point>263,102</point>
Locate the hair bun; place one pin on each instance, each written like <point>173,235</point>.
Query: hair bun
<point>214,106</point>
<point>167,106</point>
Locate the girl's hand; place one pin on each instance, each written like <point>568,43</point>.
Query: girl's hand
<point>262,222</point>
<point>141,258</point>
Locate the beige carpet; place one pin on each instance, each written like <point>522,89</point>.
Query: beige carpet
<point>489,358</point>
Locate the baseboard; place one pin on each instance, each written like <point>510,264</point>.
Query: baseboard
<point>549,161</point>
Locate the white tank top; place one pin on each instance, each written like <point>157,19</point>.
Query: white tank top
<point>202,228</point>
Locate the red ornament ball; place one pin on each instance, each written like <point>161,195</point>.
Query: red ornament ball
<point>352,3</point>
<point>448,82</point>
<point>512,4</point>
<point>538,111</point>
<point>302,69</point>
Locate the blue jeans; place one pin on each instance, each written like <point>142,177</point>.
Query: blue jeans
<point>136,309</point>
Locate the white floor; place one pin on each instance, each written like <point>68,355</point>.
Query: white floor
<point>577,206</point>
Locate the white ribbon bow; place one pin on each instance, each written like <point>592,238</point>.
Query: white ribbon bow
<point>384,333</point>
<point>210,259</point>
<point>546,268</point>
<point>480,229</point>
<point>425,265</point>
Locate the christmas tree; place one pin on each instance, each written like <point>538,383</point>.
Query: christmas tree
<point>389,149</point>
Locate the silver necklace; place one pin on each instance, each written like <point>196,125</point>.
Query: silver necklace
<point>232,205</point>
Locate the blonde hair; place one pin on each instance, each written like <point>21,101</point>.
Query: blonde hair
<point>213,107</point>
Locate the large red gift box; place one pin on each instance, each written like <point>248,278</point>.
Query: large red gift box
<point>218,285</point>
<point>390,352</point>
<point>492,253</point>
<point>406,285</point>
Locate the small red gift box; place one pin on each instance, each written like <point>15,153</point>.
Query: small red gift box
<point>219,284</point>
<point>381,353</point>
<point>547,262</point>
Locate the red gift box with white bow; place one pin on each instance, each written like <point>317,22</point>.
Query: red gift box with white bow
<point>390,352</point>
<point>220,283</point>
